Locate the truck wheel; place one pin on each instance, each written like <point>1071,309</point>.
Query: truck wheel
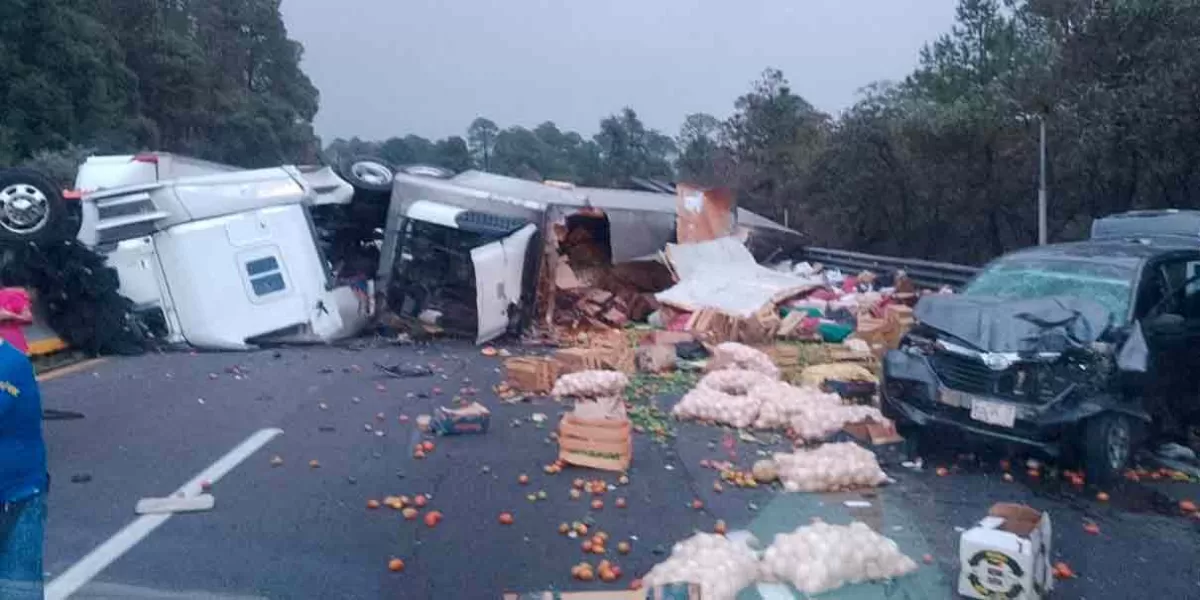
<point>32,209</point>
<point>368,174</point>
<point>1107,446</point>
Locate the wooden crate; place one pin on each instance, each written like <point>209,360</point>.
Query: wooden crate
<point>534,374</point>
<point>578,437</point>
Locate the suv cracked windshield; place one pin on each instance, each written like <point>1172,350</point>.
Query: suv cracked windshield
<point>599,301</point>
<point>1109,285</point>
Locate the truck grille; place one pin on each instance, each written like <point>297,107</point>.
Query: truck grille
<point>1019,383</point>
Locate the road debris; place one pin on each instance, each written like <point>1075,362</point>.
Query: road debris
<point>175,504</point>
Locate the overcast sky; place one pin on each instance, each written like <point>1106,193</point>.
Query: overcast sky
<point>393,67</point>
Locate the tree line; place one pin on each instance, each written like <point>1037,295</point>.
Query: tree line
<point>941,164</point>
<point>213,78</point>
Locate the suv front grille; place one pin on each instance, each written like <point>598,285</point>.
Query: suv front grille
<point>1018,383</point>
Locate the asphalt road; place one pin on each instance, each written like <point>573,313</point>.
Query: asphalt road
<point>292,531</point>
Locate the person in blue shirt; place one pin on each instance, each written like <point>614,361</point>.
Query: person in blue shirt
<point>23,478</point>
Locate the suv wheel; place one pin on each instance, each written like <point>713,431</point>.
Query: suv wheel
<point>1107,446</point>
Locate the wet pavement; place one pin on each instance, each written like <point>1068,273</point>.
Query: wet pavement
<point>296,531</point>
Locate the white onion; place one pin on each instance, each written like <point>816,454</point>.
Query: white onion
<point>591,384</point>
<point>720,566</point>
<point>822,557</point>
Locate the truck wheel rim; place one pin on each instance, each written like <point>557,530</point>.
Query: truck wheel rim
<point>1118,445</point>
<point>372,172</point>
<point>24,209</point>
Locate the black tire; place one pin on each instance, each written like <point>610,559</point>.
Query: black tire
<point>32,208</point>
<point>1106,446</point>
<point>368,174</point>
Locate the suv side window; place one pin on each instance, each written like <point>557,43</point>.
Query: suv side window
<point>1174,278</point>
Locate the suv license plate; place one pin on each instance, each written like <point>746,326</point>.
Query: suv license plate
<point>993,413</point>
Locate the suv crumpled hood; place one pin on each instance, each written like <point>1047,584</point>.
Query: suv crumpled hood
<point>1050,324</point>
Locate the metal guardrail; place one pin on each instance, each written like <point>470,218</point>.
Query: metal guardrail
<point>922,272</point>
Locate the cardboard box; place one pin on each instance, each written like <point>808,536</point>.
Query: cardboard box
<point>531,374</point>
<point>470,419</point>
<point>1007,555</point>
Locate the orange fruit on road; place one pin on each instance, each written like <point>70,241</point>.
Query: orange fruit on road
<point>597,504</point>
<point>395,565</point>
<point>523,479</point>
<point>427,446</point>
<point>506,518</point>
<point>409,513</point>
<point>623,547</point>
<point>372,504</point>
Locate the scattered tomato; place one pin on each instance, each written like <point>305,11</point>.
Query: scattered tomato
<point>420,500</point>
<point>578,484</point>
<point>432,518</point>
<point>580,528</point>
<point>418,454</point>
<point>623,480</point>
<point>1102,496</point>
<point>395,565</point>
<point>372,504</point>
<point>523,479</point>
<point>586,546</point>
<point>597,504</point>
<point>598,549</point>
<point>586,574</point>
<point>1187,506</point>
<point>624,547</point>
<point>620,502</point>
<point>697,504</point>
<point>1063,571</point>
<point>603,537</point>
<point>313,464</point>
<point>506,518</point>
<point>410,513</point>
<point>607,575</point>
<point>563,528</point>
<point>717,487</point>
<point>427,446</point>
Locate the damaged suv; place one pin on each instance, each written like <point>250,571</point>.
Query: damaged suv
<point>1079,350</point>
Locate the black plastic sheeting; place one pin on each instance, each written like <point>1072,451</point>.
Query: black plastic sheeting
<point>1050,324</point>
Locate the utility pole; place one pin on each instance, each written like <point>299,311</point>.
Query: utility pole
<point>1042,181</point>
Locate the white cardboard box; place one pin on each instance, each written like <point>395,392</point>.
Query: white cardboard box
<point>1007,555</point>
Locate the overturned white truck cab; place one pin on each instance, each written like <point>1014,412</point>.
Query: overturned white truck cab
<point>219,257</point>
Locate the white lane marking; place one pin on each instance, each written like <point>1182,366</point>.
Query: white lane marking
<point>124,540</point>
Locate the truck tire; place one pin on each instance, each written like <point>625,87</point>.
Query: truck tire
<point>32,208</point>
<point>368,174</point>
<point>1107,446</point>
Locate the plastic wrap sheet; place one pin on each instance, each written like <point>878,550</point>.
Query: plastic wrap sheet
<point>722,274</point>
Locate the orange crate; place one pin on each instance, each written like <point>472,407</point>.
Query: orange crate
<point>605,444</point>
<point>531,374</point>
